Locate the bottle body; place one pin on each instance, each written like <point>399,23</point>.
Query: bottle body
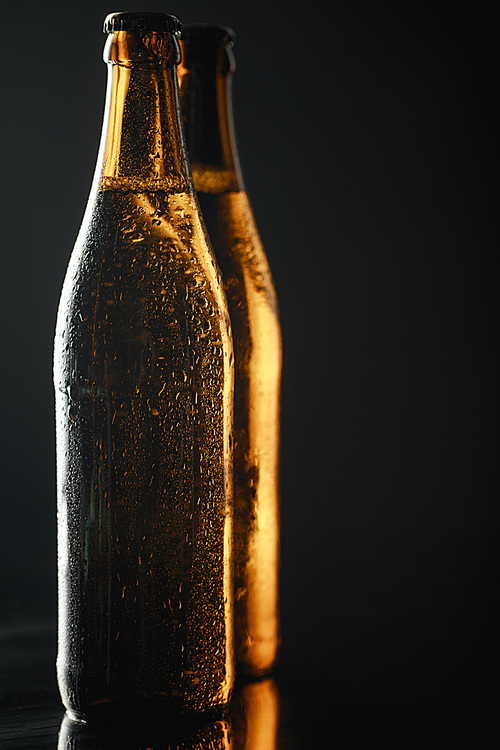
<point>205,80</point>
<point>143,380</point>
<point>257,352</point>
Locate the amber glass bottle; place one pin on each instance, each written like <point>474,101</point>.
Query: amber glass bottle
<point>144,388</point>
<point>205,76</point>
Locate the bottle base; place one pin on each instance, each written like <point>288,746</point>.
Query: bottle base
<point>140,730</point>
<point>156,714</point>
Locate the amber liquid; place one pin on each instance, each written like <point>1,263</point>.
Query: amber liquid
<point>257,350</point>
<point>143,389</point>
<point>254,713</point>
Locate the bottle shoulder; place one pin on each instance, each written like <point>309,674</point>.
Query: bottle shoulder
<point>130,235</point>
<point>141,277</point>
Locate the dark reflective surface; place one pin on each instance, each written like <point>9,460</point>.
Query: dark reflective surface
<point>255,715</point>
<point>251,723</point>
<point>296,711</point>
<point>214,735</point>
<point>32,717</point>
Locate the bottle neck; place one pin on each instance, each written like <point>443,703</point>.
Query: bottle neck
<point>142,145</point>
<point>205,84</point>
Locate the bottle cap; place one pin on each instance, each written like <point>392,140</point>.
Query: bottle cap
<point>206,32</point>
<point>141,22</point>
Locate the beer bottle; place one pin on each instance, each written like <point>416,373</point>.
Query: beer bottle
<point>205,76</point>
<point>144,387</point>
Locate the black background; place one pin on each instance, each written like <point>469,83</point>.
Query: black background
<point>365,134</point>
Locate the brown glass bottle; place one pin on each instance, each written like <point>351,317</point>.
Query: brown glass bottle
<point>143,379</point>
<point>205,77</point>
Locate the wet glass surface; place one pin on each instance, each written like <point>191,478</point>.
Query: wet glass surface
<point>288,712</point>
<point>31,714</point>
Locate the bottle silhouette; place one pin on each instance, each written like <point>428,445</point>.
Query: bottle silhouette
<point>205,76</point>
<point>143,379</point>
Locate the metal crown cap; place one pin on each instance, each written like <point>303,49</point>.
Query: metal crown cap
<point>206,32</point>
<point>129,21</point>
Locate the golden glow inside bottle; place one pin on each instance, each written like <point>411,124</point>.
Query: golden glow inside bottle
<point>143,378</point>
<point>205,76</point>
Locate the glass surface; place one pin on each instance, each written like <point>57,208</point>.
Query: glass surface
<point>257,351</point>
<point>251,723</point>
<point>141,395</point>
<point>205,76</point>
<point>144,385</point>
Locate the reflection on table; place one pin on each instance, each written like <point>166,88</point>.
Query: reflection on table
<point>251,723</point>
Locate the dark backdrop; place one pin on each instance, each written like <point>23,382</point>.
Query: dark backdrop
<point>364,132</point>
